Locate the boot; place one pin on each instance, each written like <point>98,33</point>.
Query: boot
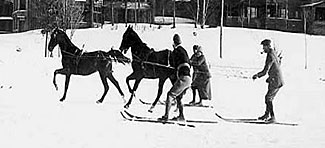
<point>270,108</point>
<point>192,102</point>
<point>264,117</point>
<point>163,118</point>
<point>270,120</point>
<point>194,94</point>
<point>167,108</point>
<point>178,118</point>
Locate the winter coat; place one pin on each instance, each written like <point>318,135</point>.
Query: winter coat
<point>272,67</point>
<point>181,61</point>
<point>200,67</point>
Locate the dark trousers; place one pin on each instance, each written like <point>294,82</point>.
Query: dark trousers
<point>269,97</point>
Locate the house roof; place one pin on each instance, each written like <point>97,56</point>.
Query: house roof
<point>313,4</point>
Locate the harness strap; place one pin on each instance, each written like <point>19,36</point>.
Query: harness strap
<point>152,63</point>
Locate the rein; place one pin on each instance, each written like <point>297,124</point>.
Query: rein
<point>80,56</point>
<point>138,59</point>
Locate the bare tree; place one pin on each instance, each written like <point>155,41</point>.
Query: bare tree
<point>202,10</point>
<point>48,14</point>
<point>197,12</point>
<point>126,12</point>
<point>74,16</point>
<point>42,14</point>
<point>174,14</point>
<point>205,6</point>
<point>69,14</point>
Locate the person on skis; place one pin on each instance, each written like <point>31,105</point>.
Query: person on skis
<point>201,76</point>
<point>275,79</point>
<point>183,82</point>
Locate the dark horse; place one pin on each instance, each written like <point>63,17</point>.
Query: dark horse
<point>75,62</point>
<point>146,63</point>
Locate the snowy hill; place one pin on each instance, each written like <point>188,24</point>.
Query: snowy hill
<point>32,116</point>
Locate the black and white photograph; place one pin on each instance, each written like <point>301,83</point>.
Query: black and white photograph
<point>162,73</point>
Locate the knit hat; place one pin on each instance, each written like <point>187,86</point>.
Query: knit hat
<point>197,47</point>
<point>266,42</point>
<point>177,39</point>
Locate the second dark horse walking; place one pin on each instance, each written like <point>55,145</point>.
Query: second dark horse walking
<point>146,63</point>
<point>75,62</point>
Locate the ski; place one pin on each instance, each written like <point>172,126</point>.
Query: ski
<point>185,105</point>
<point>187,121</point>
<point>156,121</point>
<point>253,121</point>
<point>147,103</point>
<point>204,106</point>
<point>237,120</point>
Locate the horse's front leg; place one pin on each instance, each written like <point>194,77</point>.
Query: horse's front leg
<point>135,87</point>
<point>58,71</point>
<point>130,77</point>
<point>66,85</point>
<point>66,72</point>
<point>160,90</point>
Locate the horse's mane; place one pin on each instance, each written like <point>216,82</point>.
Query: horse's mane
<point>141,43</point>
<point>67,39</point>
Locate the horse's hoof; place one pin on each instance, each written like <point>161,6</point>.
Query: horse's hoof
<point>61,100</point>
<point>99,101</point>
<point>151,109</point>
<point>126,106</point>
<point>56,87</point>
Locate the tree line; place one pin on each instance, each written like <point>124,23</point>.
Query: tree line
<point>68,13</point>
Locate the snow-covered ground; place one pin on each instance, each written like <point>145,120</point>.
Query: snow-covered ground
<point>32,116</point>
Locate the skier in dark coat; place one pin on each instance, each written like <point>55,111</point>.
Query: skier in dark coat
<point>181,63</point>
<point>275,80</point>
<point>201,76</point>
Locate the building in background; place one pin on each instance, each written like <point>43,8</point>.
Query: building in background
<point>285,15</point>
<point>6,20</point>
<point>92,15</point>
<point>281,15</point>
<point>314,17</point>
<point>20,19</point>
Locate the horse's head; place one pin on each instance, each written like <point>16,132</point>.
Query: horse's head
<point>118,55</point>
<point>130,37</point>
<point>59,37</point>
<point>56,37</point>
<point>53,41</point>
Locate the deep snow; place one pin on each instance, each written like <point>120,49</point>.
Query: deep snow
<point>32,116</point>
